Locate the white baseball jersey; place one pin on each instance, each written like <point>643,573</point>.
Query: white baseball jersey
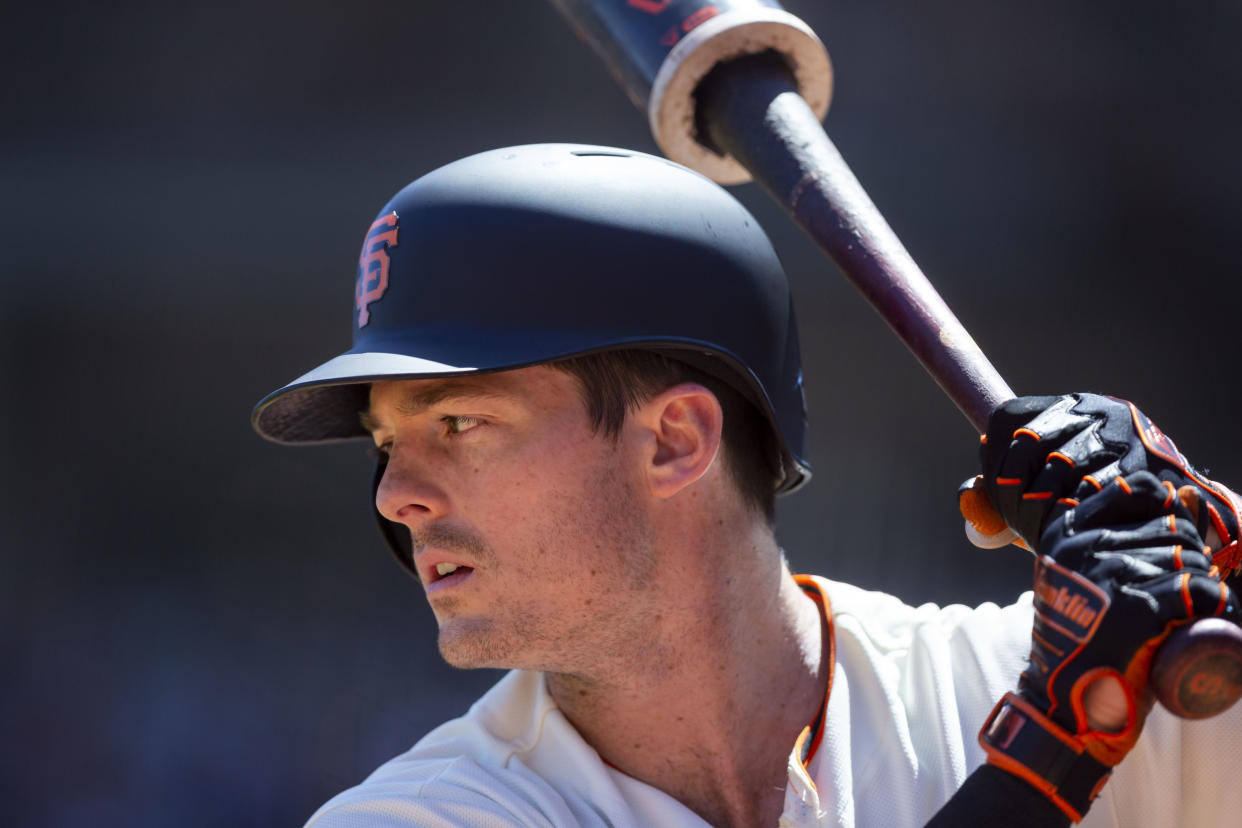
<point>910,688</point>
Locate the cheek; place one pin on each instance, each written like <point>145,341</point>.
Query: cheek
<point>565,505</point>
<point>548,468</point>
<point>602,526</point>
<point>515,502</point>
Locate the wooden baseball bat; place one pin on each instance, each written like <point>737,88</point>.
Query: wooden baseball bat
<point>738,88</point>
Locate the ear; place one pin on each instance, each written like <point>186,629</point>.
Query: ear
<point>685,422</point>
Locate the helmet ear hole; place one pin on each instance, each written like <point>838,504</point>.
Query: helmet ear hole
<point>395,536</point>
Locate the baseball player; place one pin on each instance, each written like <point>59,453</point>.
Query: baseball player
<point>579,367</point>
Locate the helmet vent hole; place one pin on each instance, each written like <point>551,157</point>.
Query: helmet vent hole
<point>599,152</point>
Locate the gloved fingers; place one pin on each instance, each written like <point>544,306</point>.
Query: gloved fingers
<point>1127,533</point>
<point>1083,453</point>
<point>1142,567</point>
<point>1155,561</point>
<point>1019,411</point>
<point>1207,596</point>
<point>1060,484</point>
<point>1077,468</point>
<point>1049,417</point>
<point>1013,421</point>
<point>1097,477</point>
<point>1081,448</point>
<point>1133,499</point>
<point>1186,596</point>
<point>1154,538</point>
<point>1135,567</point>
<point>1034,471</point>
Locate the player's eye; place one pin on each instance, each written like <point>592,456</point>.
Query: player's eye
<point>381,452</point>
<point>456,425</point>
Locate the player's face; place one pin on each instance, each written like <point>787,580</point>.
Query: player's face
<point>529,529</point>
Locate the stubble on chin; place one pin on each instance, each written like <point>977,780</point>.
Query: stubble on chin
<point>464,645</point>
<point>497,641</point>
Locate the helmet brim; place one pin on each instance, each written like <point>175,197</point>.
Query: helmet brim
<point>323,405</point>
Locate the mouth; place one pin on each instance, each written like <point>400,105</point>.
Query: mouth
<point>445,575</point>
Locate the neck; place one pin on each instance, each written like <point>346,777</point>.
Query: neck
<point>709,708</point>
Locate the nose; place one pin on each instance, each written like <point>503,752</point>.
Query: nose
<point>405,493</point>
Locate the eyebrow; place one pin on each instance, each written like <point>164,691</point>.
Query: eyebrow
<point>415,402</point>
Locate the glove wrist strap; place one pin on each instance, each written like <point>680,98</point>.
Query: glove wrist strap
<point>1023,741</point>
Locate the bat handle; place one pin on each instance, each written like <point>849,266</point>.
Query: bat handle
<point>750,109</point>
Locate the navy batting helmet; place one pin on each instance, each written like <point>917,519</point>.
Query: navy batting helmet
<point>530,254</point>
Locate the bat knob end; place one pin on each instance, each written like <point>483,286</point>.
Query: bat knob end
<point>1198,671</point>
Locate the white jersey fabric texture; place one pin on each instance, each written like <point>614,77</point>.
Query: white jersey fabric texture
<point>910,688</point>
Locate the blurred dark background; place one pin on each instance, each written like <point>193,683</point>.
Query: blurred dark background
<point>200,628</point>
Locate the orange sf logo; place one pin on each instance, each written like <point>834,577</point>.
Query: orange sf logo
<point>1206,684</point>
<point>373,265</point>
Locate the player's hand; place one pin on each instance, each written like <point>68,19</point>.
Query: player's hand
<point>1042,455</point>
<point>1116,514</point>
<point>1118,572</point>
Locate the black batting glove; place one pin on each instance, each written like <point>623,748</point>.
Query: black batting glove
<point>1119,572</point>
<point>1043,455</point>
<point>1116,515</point>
